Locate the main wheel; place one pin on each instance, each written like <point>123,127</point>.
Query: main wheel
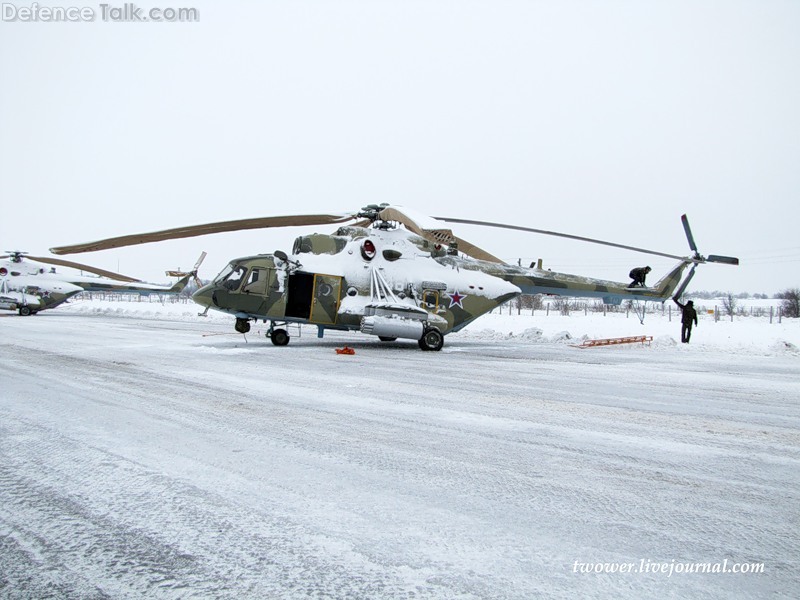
<point>279,337</point>
<point>24,310</point>
<point>432,339</point>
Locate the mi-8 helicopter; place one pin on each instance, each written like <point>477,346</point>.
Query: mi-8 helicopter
<point>389,273</point>
<point>29,284</point>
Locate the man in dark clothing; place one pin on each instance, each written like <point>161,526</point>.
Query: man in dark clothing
<point>689,316</point>
<point>638,274</point>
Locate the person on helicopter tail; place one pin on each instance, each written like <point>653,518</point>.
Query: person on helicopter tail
<point>638,275</point>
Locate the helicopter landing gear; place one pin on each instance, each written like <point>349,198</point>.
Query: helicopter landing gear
<point>386,338</point>
<point>279,337</point>
<point>432,339</point>
<point>24,311</point>
<point>242,325</point>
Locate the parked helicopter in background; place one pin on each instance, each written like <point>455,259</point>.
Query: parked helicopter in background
<point>390,273</point>
<point>29,284</point>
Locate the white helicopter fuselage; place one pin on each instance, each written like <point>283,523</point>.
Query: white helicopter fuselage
<point>29,286</point>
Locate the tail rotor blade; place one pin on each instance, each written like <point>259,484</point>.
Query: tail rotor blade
<point>199,261</point>
<point>196,268</point>
<point>726,260</point>
<point>688,230</point>
<point>682,288</point>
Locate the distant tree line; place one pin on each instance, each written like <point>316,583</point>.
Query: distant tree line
<point>731,305</point>
<point>791,302</point>
<point>705,295</point>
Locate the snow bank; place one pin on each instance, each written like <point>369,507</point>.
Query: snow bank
<point>745,334</point>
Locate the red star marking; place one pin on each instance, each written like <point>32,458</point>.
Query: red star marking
<point>456,299</point>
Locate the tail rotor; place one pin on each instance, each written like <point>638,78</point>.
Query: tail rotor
<point>699,258</point>
<point>192,273</point>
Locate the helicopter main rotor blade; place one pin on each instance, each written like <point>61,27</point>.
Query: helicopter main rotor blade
<point>432,231</point>
<point>557,234</point>
<point>82,267</point>
<point>475,252</point>
<point>688,231</point>
<point>204,229</point>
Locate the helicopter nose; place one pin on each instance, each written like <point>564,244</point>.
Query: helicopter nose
<point>203,295</point>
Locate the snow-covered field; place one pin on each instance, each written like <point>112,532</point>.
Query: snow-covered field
<point>146,452</point>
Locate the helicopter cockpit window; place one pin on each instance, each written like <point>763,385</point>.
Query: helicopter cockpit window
<point>223,274</point>
<point>231,277</point>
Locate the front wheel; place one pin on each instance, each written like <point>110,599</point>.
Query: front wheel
<point>432,339</point>
<point>24,311</point>
<point>242,325</point>
<point>279,337</point>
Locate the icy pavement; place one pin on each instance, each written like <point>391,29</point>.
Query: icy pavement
<point>169,458</point>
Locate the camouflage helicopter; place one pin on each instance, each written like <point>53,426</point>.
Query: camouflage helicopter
<point>29,284</point>
<point>387,272</point>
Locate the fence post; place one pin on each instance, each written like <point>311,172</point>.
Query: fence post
<point>780,313</point>
<point>771,312</point>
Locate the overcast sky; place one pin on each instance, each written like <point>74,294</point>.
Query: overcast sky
<point>601,119</point>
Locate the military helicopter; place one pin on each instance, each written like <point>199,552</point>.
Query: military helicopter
<point>29,284</point>
<point>388,272</point>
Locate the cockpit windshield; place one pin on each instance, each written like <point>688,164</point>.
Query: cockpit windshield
<point>231,276</point>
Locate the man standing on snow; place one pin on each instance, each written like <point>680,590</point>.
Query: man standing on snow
<point>689,316</point>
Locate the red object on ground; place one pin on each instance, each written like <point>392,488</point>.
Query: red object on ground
<point>345,350</point>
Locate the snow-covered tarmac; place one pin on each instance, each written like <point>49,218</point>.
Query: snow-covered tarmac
<point>149,453</point>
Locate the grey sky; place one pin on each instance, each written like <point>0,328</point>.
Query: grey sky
<point>602,119</point>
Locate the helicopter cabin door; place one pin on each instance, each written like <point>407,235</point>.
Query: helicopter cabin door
<point>299,293</point>
<point>325,306</point>
<point>313,297</point>
<point>253,293</point>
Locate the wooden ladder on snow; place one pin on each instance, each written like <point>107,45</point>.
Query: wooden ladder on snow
<point>633,339</point>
